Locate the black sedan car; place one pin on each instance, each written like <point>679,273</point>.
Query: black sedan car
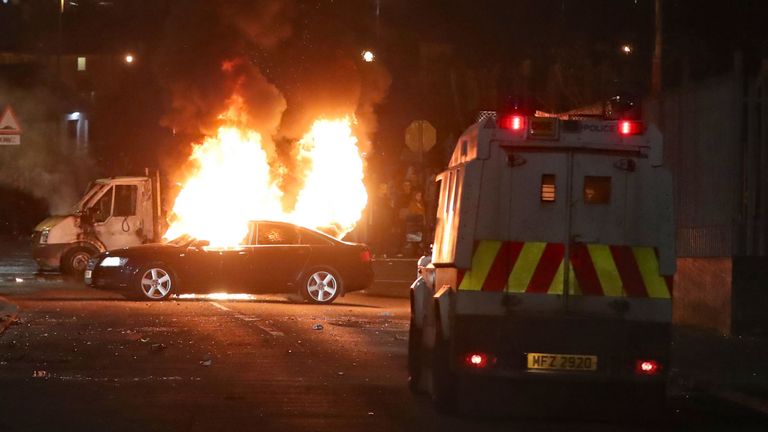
<point>277,257</point>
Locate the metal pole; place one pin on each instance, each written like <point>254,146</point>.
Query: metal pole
<point>159,224</point>
<point>60,41</point>
<point>656,66</point>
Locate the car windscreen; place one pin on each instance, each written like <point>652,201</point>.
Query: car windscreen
<point>90,193</point>
<point>181,241</point>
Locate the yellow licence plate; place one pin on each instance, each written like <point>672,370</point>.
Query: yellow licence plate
<point>562,361</point>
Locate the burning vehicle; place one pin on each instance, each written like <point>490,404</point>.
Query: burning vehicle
<point>114,212</point>
<point>276,257</point>
<point>233,233</point>
<point>234,175</point>
<point>231,184</point>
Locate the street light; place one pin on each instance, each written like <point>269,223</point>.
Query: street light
<point>368,56</point>
<point>626,49</point>
<point>129,59</point>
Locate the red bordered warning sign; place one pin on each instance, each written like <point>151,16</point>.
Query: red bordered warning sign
<point>10,130</point>
<point>8,123</point>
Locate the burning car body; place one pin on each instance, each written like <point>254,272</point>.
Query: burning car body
<point>231,230</point>
<point>275,257</point>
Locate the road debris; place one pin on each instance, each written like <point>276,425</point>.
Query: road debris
<point>317,327</point>
<point>10,320</point>
<point>206,363</point>
<point>159,346</point>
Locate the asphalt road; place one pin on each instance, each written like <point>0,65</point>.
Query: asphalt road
<point>81,359</point>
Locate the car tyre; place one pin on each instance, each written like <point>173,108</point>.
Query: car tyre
<point>75,260</point>
<point>444,380</point>
<point>414,357</point>
<point>320,286</point>
<point>154,282</point>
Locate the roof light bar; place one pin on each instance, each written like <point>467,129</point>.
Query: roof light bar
<point>512,122</point>
<point>629,127</point>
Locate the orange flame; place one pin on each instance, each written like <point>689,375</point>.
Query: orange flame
<point>233,183</point>
<point>334,195</point>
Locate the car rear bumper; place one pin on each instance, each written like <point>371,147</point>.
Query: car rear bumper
<point>359,280</point>
<point>617,346</point>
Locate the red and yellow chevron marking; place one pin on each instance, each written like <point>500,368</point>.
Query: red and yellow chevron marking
<point>595,269</point>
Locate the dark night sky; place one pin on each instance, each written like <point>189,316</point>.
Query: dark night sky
<point>484,30</point>
<point>489,40</point>
<point>440,60</point>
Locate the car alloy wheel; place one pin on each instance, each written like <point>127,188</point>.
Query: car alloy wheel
<point>156,283</point>
<point>322,287</point>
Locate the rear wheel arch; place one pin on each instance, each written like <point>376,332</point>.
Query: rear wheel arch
<point>444,378</point>
<point>443,303</point>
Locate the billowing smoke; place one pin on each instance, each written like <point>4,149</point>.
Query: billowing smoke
<point>45,165</point>
<point>290,61</point>
<point>210,53</point>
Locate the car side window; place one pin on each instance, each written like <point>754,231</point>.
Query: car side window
<point>102,209</point>
<point>274,234</point>
<point>310,238</point>
<point>125,200</point>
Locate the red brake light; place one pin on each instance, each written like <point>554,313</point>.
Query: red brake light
<point>476,360</point>
<point>513,122</point>
<point>628,127</point>
<point>365,256</point>
<point>647,367</point>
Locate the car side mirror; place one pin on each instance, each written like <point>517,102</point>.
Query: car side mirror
<point>87,214</point>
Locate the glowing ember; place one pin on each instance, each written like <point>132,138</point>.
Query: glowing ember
<point>233,183</point>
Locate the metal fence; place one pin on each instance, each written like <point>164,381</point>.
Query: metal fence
<point>716,145</point>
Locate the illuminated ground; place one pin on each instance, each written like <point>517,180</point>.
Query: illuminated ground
<point>82,359</point>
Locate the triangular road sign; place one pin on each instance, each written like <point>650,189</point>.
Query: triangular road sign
<point>8,123</point>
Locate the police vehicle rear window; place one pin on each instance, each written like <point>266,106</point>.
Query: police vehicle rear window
<point>597,190</point>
